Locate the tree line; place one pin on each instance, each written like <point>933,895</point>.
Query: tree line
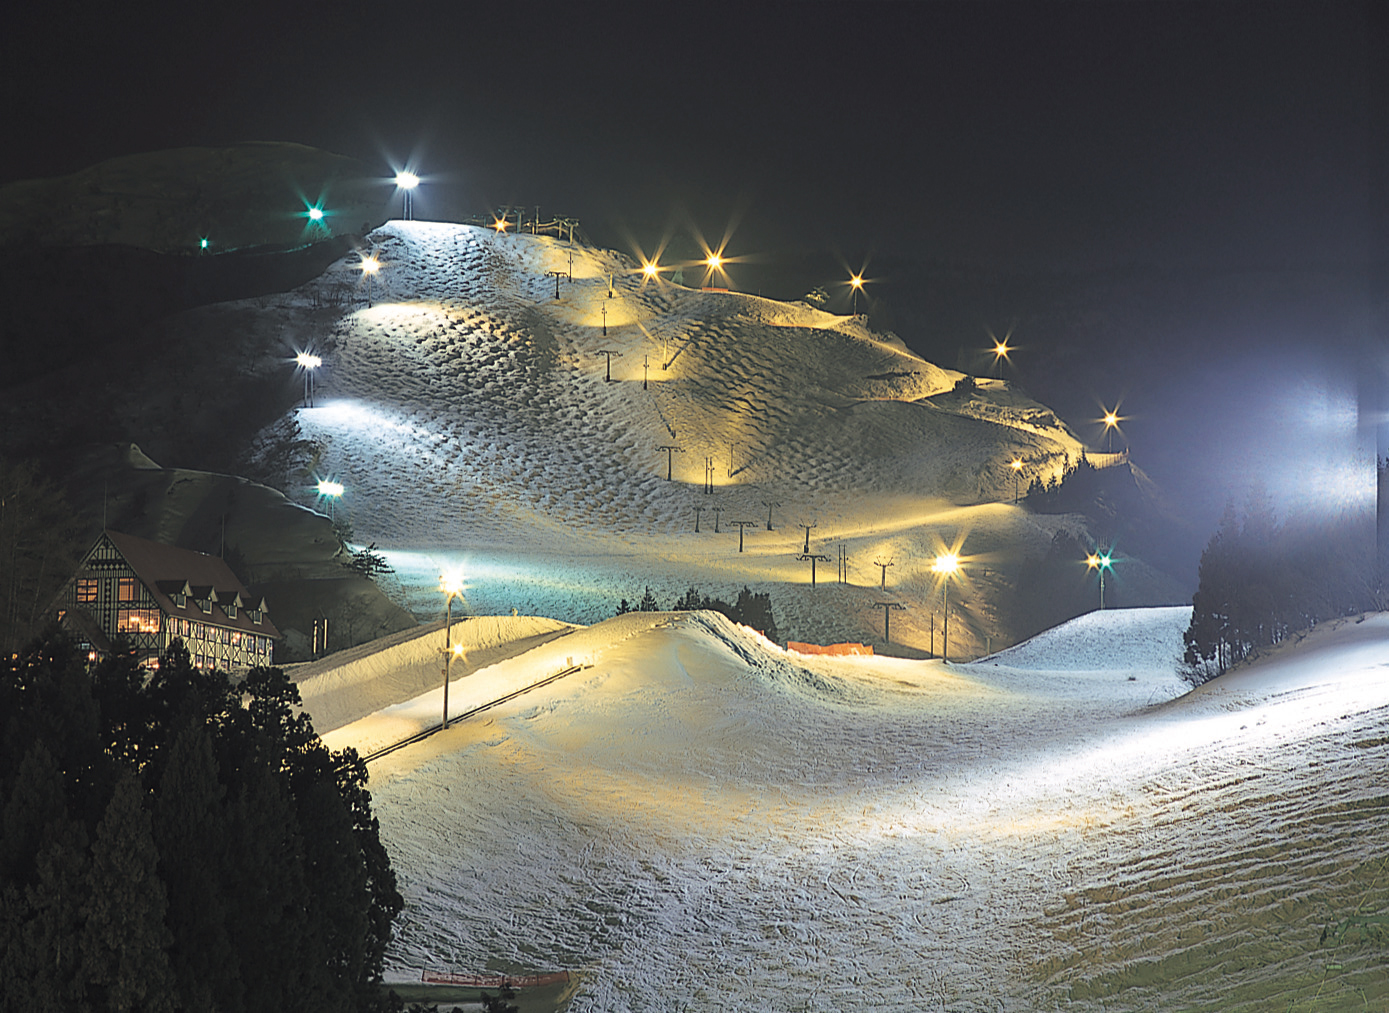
<point>1260,582</point>
<point>751,609</point>
<point>177,841</point>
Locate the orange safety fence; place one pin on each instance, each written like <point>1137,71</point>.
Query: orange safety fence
<point>861,649</point>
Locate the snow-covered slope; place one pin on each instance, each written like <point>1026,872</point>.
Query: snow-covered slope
<point>701,821</point>
<point>470,415</point>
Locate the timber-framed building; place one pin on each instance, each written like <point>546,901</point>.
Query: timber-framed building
<point>147,595</point>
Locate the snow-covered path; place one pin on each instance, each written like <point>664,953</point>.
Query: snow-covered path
<point>704,822</point>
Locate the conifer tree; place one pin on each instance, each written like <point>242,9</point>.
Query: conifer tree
<point>191,835</point>
<point>125,941</point>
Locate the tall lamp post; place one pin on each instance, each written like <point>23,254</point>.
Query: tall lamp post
<point>308,362</point>
<point>1095,561</point>
<point>370,265</point>
<point>407,181</point>
<point>331,491</point>
<point>856,283</point>
<point>1001,350</point>
<point>946,566</point>
<point>451,584</point>
<point>1016,465</point>
<point>1111,422</point>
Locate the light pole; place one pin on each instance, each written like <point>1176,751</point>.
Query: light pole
<point>451,584</point>
<point>1001,350</point>
<point>1016,465</point>
<point>308,362</point>
<point>407,181</point>
<point>370,265</point>
<point>1095,561</point>
<point>331,491</point>
<point>946,565</point>
<point>856,283</point>
<point>1111,422</point>
<point>714,262</point>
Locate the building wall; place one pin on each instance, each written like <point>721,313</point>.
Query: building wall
<point>107,589</point>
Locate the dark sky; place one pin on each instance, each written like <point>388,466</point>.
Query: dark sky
<point>1207,137</point>
<point>1073,133</point>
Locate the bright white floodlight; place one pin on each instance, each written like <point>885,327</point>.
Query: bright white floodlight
<point>331,491</point>
<point>407,181</point>
<point>308,362</point>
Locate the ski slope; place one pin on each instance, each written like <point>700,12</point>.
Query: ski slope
<point>478,421</point>
<point>702,821</point>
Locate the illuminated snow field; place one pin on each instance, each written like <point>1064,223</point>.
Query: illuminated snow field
<point>701,820</point>
<point>694,819</point>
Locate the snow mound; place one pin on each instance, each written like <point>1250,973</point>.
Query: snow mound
<point>1114,640</point>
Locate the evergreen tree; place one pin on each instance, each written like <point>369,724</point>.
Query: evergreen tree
<point>191,835</point>
<point>180,842</point>
<point>125,941</point>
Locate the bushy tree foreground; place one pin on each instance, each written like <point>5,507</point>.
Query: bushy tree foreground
<point>178,841</point>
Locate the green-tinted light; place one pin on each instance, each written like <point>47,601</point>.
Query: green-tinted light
<point>316,214</point>
<point>202,243</point>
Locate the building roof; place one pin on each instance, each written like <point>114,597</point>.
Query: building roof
<point>167,569</point>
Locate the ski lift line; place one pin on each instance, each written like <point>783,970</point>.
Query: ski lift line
<point>421,736</point>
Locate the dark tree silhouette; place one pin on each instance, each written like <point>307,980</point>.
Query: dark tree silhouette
<point>171,841</point>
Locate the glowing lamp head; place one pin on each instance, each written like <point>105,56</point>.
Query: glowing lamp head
<point>407,180</point>
<point>1001,349</point>
<point>1095,561</point>
<point>499,224</point>
<point>946,564</point>
<point>327,488</point>
<point>370,265</point>
<point>856,281</point>
<point>1111,419</point>
<point>714,260</point>
<point>307,360</point>
<point>202,243</point>
<point>650,269</point>
<point>315,214</point>
<point>1015,464</point>
<point>451,584</point>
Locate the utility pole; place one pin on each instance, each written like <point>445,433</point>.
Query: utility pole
<point>669,451</point>
<point>807,534</point>
<point>717,512</point>
<point>882,585</point>
<point>769,504</point>
<point>608,378</point>
<point>698,510</point>
<point>843,564</point>
<point>645,370</point>
<point>741,526</point>
<point>814,558</point>
<point>708,475</point>
<point>605,316</point>
<point>888,608</point>
<point>571,263</point>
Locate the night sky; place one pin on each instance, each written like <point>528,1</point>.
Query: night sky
<point>1077,134</point>
<point>1073,137</point>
